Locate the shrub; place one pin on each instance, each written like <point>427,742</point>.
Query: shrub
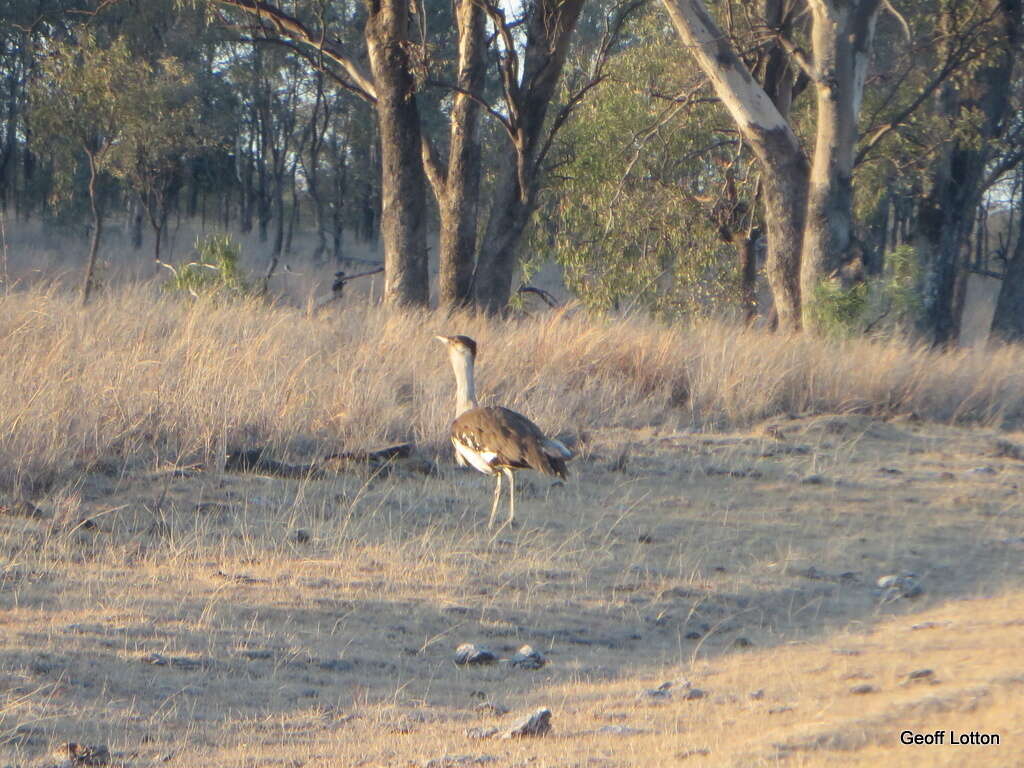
<point>215,269</point>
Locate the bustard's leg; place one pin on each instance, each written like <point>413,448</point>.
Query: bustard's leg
<point>497,497</point>
<point>511,495</point>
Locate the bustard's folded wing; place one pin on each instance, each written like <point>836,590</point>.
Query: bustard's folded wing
<point>509,439</point>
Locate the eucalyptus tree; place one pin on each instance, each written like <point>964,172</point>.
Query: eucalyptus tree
<point>83,100</point>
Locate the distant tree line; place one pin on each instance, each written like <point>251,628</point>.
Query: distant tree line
<point>863,155</point>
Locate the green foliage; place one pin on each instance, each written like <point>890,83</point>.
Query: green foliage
<point>900,285</point>
<point>215,270</point>
<point>891,300</point>
<point>133,120</point>
<point>630,217</point>
<point>839,311</point>
<point>80,102</point>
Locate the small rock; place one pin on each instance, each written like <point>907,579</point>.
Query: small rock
<point>986,470</point>
<point>862,689</point>
<point>258,654</point>
<point>490,708</point>
<point>467,653</point>
<point>921,676</point>
<point>895,586</point>
<point>22,508</point>
<point>301,536</point>
<point>451,761</point>
<point>74,754</point>
<point>758,694</point>
<point>779,710</point>
<point>1008,450</point>
<point>692,753</point>
<point>528,658</point>
<point>693,635</point>
<point>929,626</point>
<point>813,480</point>
<point>741,642</point>
<point>481,733</point>
<point>334,665</point>
<point>661,692</point>
<point>890,471</point>
<point>693,694</point>
<point>537,724</point>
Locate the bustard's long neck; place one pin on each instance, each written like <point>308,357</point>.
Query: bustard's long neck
<point>465,392</point>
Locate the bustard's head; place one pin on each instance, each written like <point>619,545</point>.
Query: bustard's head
<point>460,348</point>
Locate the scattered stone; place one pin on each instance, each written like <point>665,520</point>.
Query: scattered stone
<point>779,710</point>
<point>1017,542</point>
<point>481,733</point>
<point>661,692</point>
<point>692,753</point>
<point>862,689</point>
<point>258,654</point>
<point>893,586</point>
<point>73,754</point>
<point>693,635</point>
<point>451,761</point>
<point>680,593</point>
<point>985,470</point>
<point>22,508</point>
<point>929,625</point>
<point>758,694</point>
<point>528,658</point>
<point>741,642</point>
<point>490,708</point>
<point>334,665</point>
<point>693,693</point>
<point>890,471</point>
<point>1004,449</point>
<point>301,536</point>
<point>176,662</point>
<point>468,653</point>
<point>537,724</point>
<point>845,652</point>
<point>813,480</point>
<point>921,676</point>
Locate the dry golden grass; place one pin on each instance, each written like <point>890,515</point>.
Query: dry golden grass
<point>690,542</point>
<point>146,379</point>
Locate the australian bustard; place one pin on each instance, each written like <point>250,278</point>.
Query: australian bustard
<point>495,440</point>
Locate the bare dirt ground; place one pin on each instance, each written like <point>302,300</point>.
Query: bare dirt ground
<point>215,619</point>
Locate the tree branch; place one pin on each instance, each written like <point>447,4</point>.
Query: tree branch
<point>291,27</point>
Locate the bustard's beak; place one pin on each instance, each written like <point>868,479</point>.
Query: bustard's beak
<point>442,339</point>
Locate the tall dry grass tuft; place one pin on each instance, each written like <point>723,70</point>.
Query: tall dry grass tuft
<point>143,378</point>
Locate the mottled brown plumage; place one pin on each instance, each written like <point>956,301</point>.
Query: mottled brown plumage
<point>515,441</point>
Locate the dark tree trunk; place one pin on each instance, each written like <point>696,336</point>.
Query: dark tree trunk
<point>1008,322</point>
<point>785,204</point>
<point>550,25</point>
<point>747,253</point>
<point>403,182</point>
<point>457,194</point>
<point>943,227</point>
<point>955,185</point>
<point>97,229</point>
